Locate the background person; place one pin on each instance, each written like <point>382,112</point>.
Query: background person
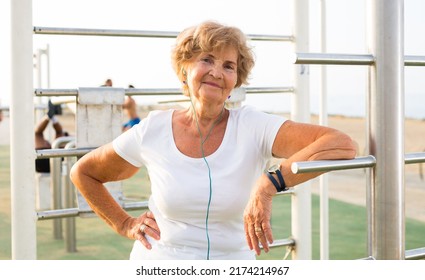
<point>211,198</point>
<point>43,165</point>
<point>107,83</point>
<point>130,111</point>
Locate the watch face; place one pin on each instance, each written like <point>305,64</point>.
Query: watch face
<point>273,168</point>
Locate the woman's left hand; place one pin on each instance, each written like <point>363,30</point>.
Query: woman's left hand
<point>257,216</point>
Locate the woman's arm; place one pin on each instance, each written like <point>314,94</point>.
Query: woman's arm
<point>90,173</point>
<point>306,142</point>
<point>294,142</point>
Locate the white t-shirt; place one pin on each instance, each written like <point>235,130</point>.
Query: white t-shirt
<point>180,185</point>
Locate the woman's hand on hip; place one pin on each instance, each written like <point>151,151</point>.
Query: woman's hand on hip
<point>144,225</point>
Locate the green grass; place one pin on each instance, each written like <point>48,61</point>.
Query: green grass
<point>95,240</point>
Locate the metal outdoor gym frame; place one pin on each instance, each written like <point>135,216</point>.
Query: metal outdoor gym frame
<point>385,116</point>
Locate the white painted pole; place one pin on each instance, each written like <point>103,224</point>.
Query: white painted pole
<point>24,238</point>
<point>323,120</point>
<point>301,199</point>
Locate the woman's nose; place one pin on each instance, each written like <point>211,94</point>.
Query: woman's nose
<point>216,72</point>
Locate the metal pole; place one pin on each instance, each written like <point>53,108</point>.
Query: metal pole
<point>323,120</point>
<point>140,33</point>
<point>56,183</point>
<point>333,58</point>
<point>24,231</point>
<point>155,91</point>
<point>47,53</point>
<point>331,165</point>
<point>69,198</point>
<point>38,67</point>
<point>386,128</point>
<point>349,59</point>
<point>301,200</point>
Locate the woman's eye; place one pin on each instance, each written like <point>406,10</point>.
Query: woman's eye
<point>230,68</point>
<point>207,60</point>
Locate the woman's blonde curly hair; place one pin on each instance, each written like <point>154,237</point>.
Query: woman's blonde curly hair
<point>211,36</point>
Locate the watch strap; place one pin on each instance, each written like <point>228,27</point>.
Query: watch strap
<point>275,183</point>
<point>282,182</point>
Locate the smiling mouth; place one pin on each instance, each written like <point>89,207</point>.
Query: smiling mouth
<point>212,84</point>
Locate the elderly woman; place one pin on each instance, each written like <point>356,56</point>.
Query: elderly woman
<point>211,197</point>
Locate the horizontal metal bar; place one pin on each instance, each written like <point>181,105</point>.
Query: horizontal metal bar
<point>282,242</point>
<point>156,91</point>
<point>267,90</point>
<point>58,213</point>
<point>328,165</point>
<point>349,59</point>
<point>55,92</point>
<point>415,254</point>
<point>412,158</point>
<point>153,91</point>
<point>333,59</point>
<point>274,38</point>
<point>139,33</point>
<point>103,32</point>
<point>75,212</point>
<point>288,192</point>
<point>360,162</point>
<point>414,60</point>
<point>140,205</point>
<point>52,153</point>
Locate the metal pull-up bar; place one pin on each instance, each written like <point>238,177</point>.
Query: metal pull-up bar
<point>331,165</point>
<point>139,33</point>
<point>359,162</point>
<point>349,59</point>
<point>158,91</point>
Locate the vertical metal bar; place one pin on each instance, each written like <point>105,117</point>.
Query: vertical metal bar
<point>39,113</point>
<point>70,226</point>
<point>56,183</point>
<point>56,187</point>
<point>323,120</point>
<point>47,52</point>
<point>386,124</point>
<point>24,231</point>
<point>301,200</point>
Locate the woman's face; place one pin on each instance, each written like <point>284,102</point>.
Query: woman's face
<point>212,76</point>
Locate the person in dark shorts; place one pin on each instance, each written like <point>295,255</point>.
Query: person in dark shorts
<point>43,165</point>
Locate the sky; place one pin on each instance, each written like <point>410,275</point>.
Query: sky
<point>83,61</point>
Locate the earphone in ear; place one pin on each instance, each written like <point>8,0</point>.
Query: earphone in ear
<point>185,75</point>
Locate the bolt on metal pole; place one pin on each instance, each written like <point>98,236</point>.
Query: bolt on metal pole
<point>386,128</point>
